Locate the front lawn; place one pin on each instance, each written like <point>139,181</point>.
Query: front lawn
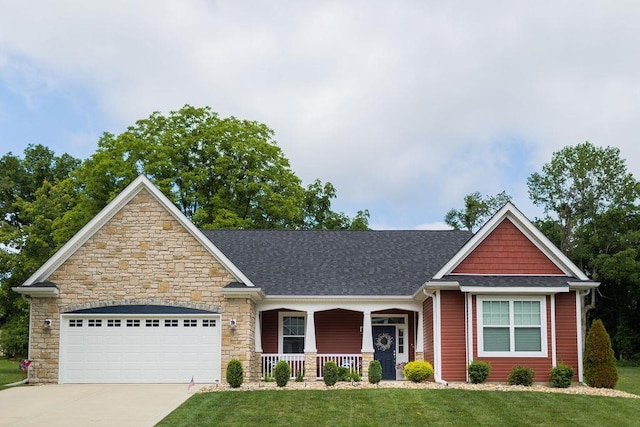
<point>629,379</point>
<point>10,372</point>
<point>384,407</point>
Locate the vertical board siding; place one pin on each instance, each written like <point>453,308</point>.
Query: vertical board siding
<point>427,329</point>
<point>338,331</point>
<point>269,324</point>
<point>507,251</point>
<point>453,337</point>
<point>501,366</point>
<point>566,331</point>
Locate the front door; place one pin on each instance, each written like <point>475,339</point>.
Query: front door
<point>384,346</point>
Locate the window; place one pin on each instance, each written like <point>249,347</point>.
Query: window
<point>293,334</point>
<point>401,341</point>
<point>208,323</point>
<point>170,323</point>
<point>190,323</point>
<point>114,323</point>
<point>75,323</point>
<point>133,323</point>
<point>512,327</point>
<point>95,323</point>
<point>152,323</point>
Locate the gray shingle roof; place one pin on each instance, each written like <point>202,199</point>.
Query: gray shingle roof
<point>338,262</point>
<point>511,281</point>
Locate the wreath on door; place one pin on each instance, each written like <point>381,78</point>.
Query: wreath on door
<point>384,341</point>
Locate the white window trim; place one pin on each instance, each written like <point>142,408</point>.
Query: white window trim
<point>281,316</point>
<point>543,327</point>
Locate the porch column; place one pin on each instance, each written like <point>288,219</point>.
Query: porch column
<point>367,333</point>
<point>310,350</point>
<point>258,334</point>
<point>419,354</point>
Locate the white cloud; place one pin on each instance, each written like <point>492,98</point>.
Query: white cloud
<point>405,107</point>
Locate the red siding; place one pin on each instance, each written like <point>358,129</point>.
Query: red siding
<point>269,324</point>
<point>566,331</point>
<point>454,355</point>
<point>501,366</point>
<point>427,325</point>
<point>338,331</point>
<point>506,251</point>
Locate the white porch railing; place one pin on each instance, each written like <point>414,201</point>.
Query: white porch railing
<point>295,361</point>
<point>351,361</point>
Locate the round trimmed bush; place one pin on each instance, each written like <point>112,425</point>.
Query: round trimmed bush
<point>599,360</point>
<point>282,372</point>
<point>417,371</point>
<point>478,371</point>
<point>330,373</point>
<point>521,375</point>
<point>561,376</point>
<point>235,373</point>
<point>375,372</point>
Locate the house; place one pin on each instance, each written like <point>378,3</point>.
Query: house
<point>140,295</point>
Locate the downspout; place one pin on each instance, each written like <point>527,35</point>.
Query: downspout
<point>436,338</point>
<point>582,333</point>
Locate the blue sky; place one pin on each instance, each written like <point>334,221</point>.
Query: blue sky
<point>405,106</point>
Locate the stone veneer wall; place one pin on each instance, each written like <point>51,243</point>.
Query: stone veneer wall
<point>142,253</point>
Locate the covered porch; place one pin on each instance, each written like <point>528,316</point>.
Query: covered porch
<point>352,335</point>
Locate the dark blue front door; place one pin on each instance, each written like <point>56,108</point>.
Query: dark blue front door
<point>384,347</point>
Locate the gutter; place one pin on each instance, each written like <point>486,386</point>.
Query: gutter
<point>24,381</point>
<point>436,337</point>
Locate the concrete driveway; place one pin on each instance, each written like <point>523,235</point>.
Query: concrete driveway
<point>90,404</point>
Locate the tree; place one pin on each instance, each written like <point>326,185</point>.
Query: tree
<point>599,361</point>
<point>580,183</point>
<point>220,172</point>
<point>591,202</point>
<point>477,210</point>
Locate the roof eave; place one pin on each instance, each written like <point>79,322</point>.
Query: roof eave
<point>520,290</point>
<point>38,291</point>
<point>583,286</point>
<point>252,293</point>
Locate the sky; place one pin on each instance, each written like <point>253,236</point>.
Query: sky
<point>405,106</point>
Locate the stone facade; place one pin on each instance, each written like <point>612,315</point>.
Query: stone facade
<point>142,254</point>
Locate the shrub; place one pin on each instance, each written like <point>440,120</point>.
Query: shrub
<point>330,373</point>
<point>561,376</point>
<point>599,361</point>
<point>14,339</point>
<point>375,372</point>
<point>343,374</point>
<point>417,371</point>
<point>355,376</point>
<point>235,373</point>
<point>478,371</point>
<point>521,375</point>
<point>300,377</point>
<point>282,372</point>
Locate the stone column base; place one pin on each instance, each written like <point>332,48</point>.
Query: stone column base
<point>310,367</point>
<point>367,358</point>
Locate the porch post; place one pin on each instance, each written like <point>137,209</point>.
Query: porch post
<point>310,350</point>
<point>258,334</point>
<point>419,355</point>
<point>367,343</point>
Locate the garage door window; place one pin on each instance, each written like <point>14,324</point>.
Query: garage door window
<point>75,323</point>
<point>171,323</point>
<point>190,323</point>
<point>94,323</point>
<point>114,323</point>
<point>152,323</point>
<point>133,323</point>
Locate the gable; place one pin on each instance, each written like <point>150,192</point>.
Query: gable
<point>506,250</point>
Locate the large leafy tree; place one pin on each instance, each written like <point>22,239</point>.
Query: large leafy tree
<point>591,205</point>
<point>477,210</point>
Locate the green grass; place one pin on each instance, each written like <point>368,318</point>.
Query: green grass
<point>384,407</point>
<point>10,372</point>
<point>629,379</point>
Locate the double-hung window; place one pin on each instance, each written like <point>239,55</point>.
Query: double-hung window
<point>512,326</point>
<point>292,333</point>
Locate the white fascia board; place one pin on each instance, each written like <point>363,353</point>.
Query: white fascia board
<point>420,295</point>
<point>509,211</point>
<point>514,290</point>
<point>112,208</point>
<point>583,286</point>
<point>38,292</point>
<point>254,293</point>
<point>329,302</point>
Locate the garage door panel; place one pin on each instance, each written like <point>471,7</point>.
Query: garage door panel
<point>160,351</point>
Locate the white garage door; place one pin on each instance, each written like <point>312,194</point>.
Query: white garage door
<point>140,349</point>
